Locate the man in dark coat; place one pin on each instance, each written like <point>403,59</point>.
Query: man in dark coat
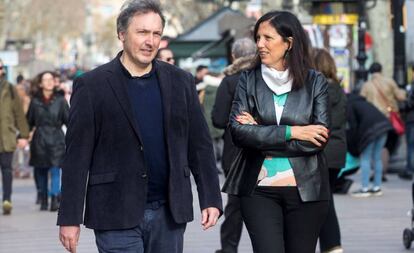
<point>135,133</point>
<point>243,51</point>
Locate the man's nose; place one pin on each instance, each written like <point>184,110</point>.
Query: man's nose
<point>260,43</point>
<point>149,40</point>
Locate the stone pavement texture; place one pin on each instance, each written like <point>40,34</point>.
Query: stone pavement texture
<point>372,225</point>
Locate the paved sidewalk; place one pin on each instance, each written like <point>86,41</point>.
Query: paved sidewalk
<point>372,225</point>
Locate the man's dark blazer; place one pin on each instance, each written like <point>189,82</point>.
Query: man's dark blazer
<point>104,155</point>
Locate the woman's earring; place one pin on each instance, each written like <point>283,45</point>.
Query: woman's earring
<point>286,54</point>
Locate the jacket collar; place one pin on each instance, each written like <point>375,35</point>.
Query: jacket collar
<point>117,80</point>
<point>266,104</point>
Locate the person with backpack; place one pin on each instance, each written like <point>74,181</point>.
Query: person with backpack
<point>14,132</point>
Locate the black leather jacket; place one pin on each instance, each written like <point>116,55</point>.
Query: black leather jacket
<point>304,106</point>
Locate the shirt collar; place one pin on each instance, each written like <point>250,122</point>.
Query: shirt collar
<point>128,74</point>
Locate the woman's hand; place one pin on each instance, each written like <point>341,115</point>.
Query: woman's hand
<point>246,119</point>
<point>316,134</point>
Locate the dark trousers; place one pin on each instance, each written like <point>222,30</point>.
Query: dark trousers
<point>330,235</point>
<point>278,220</point>
<point>156,233</point>
<point>231,228</point>
<point>409,134</point>
<point>6,174</point>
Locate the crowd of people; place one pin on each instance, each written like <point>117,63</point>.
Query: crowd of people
<point>35,113</point>
<point>276,122</point>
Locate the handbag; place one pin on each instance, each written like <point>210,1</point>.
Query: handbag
<point>394,117</point>
<point>397,123</point>
<point>242,175</point>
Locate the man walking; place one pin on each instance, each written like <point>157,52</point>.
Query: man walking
<point>243,52</point>
<point>135,133</point>
<point>13,130</point>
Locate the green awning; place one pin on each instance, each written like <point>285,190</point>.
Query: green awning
<point>184,49</point>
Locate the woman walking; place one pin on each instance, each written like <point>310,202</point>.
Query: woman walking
<point>48,112</point>
<point>335,150</point>
<point>280,120</point>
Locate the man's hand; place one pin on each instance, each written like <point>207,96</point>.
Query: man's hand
<point>69,237</point>
<point>22,143</point>
<point>209,217</point>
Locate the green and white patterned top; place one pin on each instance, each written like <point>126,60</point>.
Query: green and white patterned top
<point>277,171</point>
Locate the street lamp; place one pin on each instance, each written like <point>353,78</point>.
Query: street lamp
<point>361,74</point>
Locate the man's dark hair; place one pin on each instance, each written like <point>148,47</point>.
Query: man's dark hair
<point>19,78</point>
<point>161,50</point>
<point>134,7</point>
<point>201,67</point>
<point>375,68</point>
<point>298,59</point>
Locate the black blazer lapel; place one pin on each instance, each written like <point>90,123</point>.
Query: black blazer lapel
<point>164,80</point>
<point>119,87</point>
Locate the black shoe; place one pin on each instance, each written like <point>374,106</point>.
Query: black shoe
<point>405,175</point>
<point>44,202</point>
<point>54,205</point>
<point>343,188</point>
<point>38,198</point>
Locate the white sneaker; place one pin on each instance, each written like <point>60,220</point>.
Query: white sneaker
<point>335,250</point>
<point>361,193</point>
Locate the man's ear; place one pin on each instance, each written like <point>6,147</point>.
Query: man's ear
<point>121,36</point>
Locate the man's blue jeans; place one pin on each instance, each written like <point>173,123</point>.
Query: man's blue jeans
<point>371,156</point>
<point>156,233</point>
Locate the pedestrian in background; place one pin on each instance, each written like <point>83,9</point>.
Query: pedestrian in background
<point>367,133</point>
<point>166,55</point>
<point>280,119</point>
<point>335,150</point>
<point>384,94</point>
<point>243,52</point>
<point>13,133</point>
<point>136,134</point>
<point>22,155</point>
<point>407,107</point>
<point>48,112</point>
<point>210,84</point>
<point>200,73</point>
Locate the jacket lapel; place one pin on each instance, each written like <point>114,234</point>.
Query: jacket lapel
<point>292,103</point>
<point>265,103</point>
<point>119,87</point>
<point>164,80</point>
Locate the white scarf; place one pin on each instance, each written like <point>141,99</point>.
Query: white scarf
<point>278,81</point>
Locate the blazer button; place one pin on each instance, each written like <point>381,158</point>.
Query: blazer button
<point>141,148</point>
<point>144,175</point>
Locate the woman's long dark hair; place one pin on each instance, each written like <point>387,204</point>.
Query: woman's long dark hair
<point>297,59</point>
<point>35,89</point>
